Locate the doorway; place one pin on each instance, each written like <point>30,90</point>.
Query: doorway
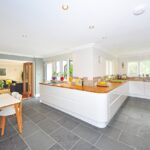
<point>27,80</point>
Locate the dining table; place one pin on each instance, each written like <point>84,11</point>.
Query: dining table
<point>7,100</point>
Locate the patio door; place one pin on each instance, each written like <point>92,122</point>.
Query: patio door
<point>27,80</point>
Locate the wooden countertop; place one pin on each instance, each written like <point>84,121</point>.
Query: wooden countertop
<point>94,89</point>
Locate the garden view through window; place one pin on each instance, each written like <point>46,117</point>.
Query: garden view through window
<point>59,68</point>
<point>139,68</point>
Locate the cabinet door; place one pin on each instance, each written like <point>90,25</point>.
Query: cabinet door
<point>147,89</point>
<point>136,88</point>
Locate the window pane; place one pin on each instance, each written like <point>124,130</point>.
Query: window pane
<point>49,71</point>
<point>71,68</point>
<point>58,67</point>
<point>145,67</point>
<point>65,70</point>
<point>109,67</point>
<point>133,68</point>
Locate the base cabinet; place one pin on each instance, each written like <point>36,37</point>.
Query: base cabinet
<point>147,89</point>
<point>95,108</point>
<point>139,89</point>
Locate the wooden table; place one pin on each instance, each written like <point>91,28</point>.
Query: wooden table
<point>8,100</point>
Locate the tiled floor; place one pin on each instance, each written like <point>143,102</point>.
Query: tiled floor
<point>45,128</point>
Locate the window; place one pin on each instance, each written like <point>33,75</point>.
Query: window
<point>65,69</point>
<point>70,68</point>
<point>133,68</point>
<point>109,67</point>
<point>145,67</point>
<point>58,67</point>
<point>49,71</point>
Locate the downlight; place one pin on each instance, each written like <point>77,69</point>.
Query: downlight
<point>65,7</point>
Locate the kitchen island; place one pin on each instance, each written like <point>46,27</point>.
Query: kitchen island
<point>92,104</point>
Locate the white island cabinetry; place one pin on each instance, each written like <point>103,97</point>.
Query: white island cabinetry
<point>95,108</point>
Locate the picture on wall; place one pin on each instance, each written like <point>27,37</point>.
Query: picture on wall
<point>2,71</point>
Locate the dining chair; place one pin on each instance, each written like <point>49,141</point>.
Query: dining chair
<point>14,94</point>
<point>10,110</point>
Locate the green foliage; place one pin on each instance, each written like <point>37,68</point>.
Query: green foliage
<point>71,70</point>
<point>54,74</point>
<point>1,84</point>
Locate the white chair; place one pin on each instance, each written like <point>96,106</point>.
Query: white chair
<point>14,94</point>
<point>7,111</point>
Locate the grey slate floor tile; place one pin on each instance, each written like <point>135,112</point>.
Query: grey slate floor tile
<point>9,131</point>
<point>132,126</point>
<point>40,141</point>
<point>42,108</point>
<point>144,131</point>
<point>135,141</point>
<point>87,133</point>
<point>111,132</point>
<point>30,112</point>
<point>82,145</point>
<point>68,122</point>
<point>106,143</point>
<point>13,143</point>
<point>118,124</point>
<point>37,117</point>
<point>29,128</point>
<point>56,147</point>
<point>55,115</point>
<point>48,126</point>
<point>13,119</point>
<point>65,138</point>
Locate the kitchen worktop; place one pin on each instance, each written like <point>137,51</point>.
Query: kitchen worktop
<point>95,89</point>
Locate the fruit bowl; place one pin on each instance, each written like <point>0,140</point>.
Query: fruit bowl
<point>102,84</point>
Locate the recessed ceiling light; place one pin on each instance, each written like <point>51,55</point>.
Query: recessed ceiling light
<point>91,26</point>
<point>104,37</point>
<point>139,10</point>
<point>24,35</point>
<point>65,6</point>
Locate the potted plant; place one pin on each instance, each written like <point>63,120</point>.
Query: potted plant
<point>54,75</point>
<point>1,84</point>
<point>61,76</point>
<point>8,82</point>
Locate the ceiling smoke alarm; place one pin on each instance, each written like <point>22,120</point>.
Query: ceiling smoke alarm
<point>139,10</point>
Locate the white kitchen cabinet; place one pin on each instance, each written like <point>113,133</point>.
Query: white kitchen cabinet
<point>147,89</point>
<point>117,98</point>
<point>136,88</point>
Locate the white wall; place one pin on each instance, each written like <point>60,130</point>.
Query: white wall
<point>88,61</point>
<point>83,63</point>
<point>91,62</point>
<point>99,64</point>
<point>13,70</point>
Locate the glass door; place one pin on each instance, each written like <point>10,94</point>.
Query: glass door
<point>27,80</point>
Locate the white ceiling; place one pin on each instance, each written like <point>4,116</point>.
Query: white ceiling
<point>42,28</point>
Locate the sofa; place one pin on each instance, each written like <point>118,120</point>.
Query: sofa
<point>17,87</point>
<point>14,86</point>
